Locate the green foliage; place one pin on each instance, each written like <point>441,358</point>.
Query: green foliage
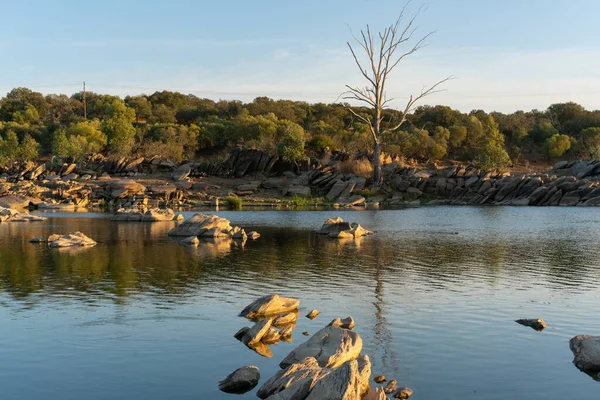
<point>87,134</point>
<point>233,202</point>
<point>588,145</point>
<point>118,128</point>
<point>11,150</point>
<point>557,145</point>
<point>291,141</point>
<point>542,131</point>
<point>493,154</point>
<point>458,134</point>
<point>320,143</point>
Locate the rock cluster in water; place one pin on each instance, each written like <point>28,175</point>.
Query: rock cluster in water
<point>337,228</point>
<point>72,239</point>
<point>151,215</point>
<point>12,215</point>
<point>209,226</point>
<point>329,365</point>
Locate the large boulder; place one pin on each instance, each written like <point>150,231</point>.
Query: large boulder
<point>270,305</point>
<point>586,351</point>
<point>199,224</point>
<point>331,347</point>
<point>307,380</point>
<point>73,239</point>
<point>241,380</point>
<point>127,214</point>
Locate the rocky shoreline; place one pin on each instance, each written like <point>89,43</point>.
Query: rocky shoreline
<point>257,179</point>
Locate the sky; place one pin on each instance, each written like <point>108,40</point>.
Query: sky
<point>505,55</point>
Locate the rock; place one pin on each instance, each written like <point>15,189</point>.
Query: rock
<point>255,334</point>
<point>285,319</point>
<point>569,199</point>
<point>375,394</point>
<point>199,224</point>
<point>129,214</point>
<point>337,189</point>
<point>123,188</point>
<point>352,201</point>
<point>346,323</point>
<point>331,346</point>
<point>17,201</point>
<point>348,382</point>
<point>240,334</point>
<point>537,324</point>
<point>303,191</point>
<point>586,351</point>
<point>241,380</point>
<point>38,239</point>
<point>272,336</point>
<point>261,349</point>
<point>182,172</point>
<point>253,235</point>
<point>379,379</point>
<point>403,393</point>
<point>269,305</point>
<point>73,239</point>
<point>238,234</point>
<point>306,333</point>
<point>560,165</point>
<point>53,238</point>
<point>293,382</point>
<point>308,380</point>
<point>335,226</point>
<point>313,314</point>
<point>191,241</point>
<point>391,386</point>
<point>157,214</point>
<point>286,333</point>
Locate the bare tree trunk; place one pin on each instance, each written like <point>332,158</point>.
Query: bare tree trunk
<point>377,171</point>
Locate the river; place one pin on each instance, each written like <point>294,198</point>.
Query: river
<point>434,294</point>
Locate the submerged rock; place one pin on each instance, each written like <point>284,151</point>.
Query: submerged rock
<point>331,347</point>
<point>379,379</point>
<point>403,393</point>
<point>586,351</point>
<point>537,324</point>
<point>73,239</point>
<point>269,305</point>
<point>241,380</point>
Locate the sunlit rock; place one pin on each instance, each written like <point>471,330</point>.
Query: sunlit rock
<point>537,324</point>
<point>269,305</point>
<point>586,351</point>
<point>331,347</point>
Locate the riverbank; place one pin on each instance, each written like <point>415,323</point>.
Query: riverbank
<point>251,178</point>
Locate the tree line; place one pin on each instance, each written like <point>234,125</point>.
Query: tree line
<point>181,126</point>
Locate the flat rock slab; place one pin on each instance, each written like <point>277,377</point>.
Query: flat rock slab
<point>270,305</point>
<point>241,380</point>
<point>586,351</point>
<point>331,347</point>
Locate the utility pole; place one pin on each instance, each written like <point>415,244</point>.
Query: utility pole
<point>84,103</point>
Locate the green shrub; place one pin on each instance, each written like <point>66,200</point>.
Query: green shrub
<point>233,202</point>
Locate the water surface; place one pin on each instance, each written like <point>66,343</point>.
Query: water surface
<point>140,316</point>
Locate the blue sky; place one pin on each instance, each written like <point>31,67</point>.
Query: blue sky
<point>506,55</point>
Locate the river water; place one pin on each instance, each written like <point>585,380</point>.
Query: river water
<point>142,317</point>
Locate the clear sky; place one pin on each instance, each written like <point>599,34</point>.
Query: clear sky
<point>506,54</point>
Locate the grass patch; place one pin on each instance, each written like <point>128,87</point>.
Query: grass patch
<point>233,202</point>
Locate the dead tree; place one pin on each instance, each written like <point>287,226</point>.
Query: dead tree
<point>382,57</point>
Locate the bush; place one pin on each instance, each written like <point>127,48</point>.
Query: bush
<point>557,145</point>
<point>362,167</point>
<point>320,143</point>
<point>233,202</point>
